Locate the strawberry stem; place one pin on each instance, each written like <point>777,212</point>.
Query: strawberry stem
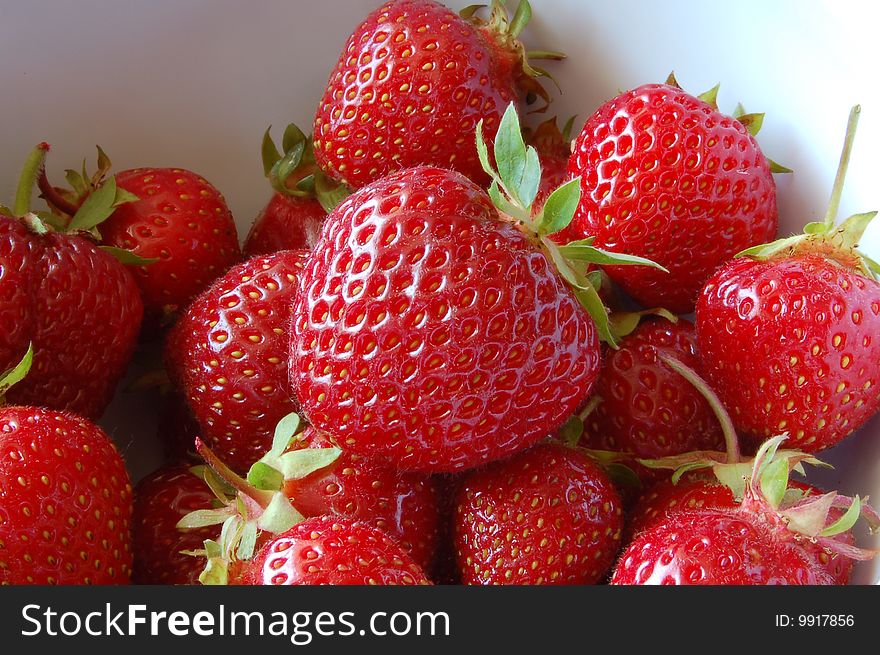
<point>231,477</point>
<point>730,439</point>
<point>837,189</point>
<point>32,167</point>
<point>50,194</point>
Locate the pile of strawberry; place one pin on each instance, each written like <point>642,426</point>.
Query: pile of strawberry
<point>445,353</point>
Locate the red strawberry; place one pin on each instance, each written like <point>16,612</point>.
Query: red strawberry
<point>411,84</point>
<point>292,220</point>
<point>667,176</point>
<point>286,223</point>
<point>645,408</point>
<point>699,492</point>
<point>433,335</point>
<point>160,500</point>
<point>332,551</point>
<point>767,538</point>
<point>76,304</point>
<point>554,149</point>
<point>789,333</point>
<point>170,217</point>
<point>65,501</point>
<point>403,505</point>
<point>227,354</point>
<point>547,516</point>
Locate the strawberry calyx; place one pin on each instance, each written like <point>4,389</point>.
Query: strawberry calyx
<point>503,30</point>
<point>615,464</point>
<point>839,243</point>
<point>808,516</point>
<point>250,506</point>
<point>78,211</point>
<point>294,171</point>
<point>751,121</point>
<point>549,139</point>
<point>729,467</point>
<point>623,323</point>
<point>516,177</point>
<point>17,373</point>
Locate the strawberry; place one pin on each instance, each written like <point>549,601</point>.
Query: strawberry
<point>172,218</point>
<point>295,213</point>
<point>774,535</point>
<point>548,515</point>
<point>554,149</point>
<point>412,82</point>
<point>65,498</point>
<point>227,355</point>
<point>788,332</point>
<point>160,500</point>
<point>704,492</point>
<point>332,551</point>
<point>644,408</point>
<point>667,176</point>
<point>403,505</point>
<point>438,331</point>
<point>75,303</point>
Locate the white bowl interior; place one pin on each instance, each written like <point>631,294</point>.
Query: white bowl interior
<point>193,83</point>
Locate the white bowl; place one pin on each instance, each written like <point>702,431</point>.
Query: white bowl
<point>193,83</point>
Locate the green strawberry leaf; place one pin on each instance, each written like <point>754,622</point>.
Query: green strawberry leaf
<point>572,431</point>
<point>293,136</point>
<point>774,481</point>
<point>104,165</point>
<point>127,257</point>
<point>18,372</point>
<point>201,518</point>
<point>531,179</point>
<point>216,569</point>
<point>710,97</point>
<point>266,477</point>
<point>505,206</point>
<point>329,194</point>
<point>580,251</point>
<point>96,208</point>
<point>809,516</point>
<point>279,516</point>
<point>520,19</point>
<point>285,166</point>
<point>559,208</point>
<point>269,151</point>
<point>752,122</point>
<point>483,153</point>
<point>247,541</point>
<point>285,431</point>
<point>778,168</point>
<point>470,10</point>
<point>300,463</point>
<point>76,181</point>
<point>845,522</point>
<point>671,81</point>
<point>734,477</point>
<point>739,110</point>
<point>510,153</point>
<point>768,250</point>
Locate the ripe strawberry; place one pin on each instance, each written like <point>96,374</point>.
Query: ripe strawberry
<point>770,537</point>
<point>403,505</point>
<point>554,149</point>
<point>65,501</point>
<point>698,492</point>
<point>227,355</point>
<point>644,408</point>
<point>293,218</point>
<point>332,551</point>
<point>667,176</point>
<point>431,334</point>
<point>76,304</point>
<point>160,500</point>
<point>549,515</point>
<point>438,331</point>
<point>170,217</point>
<point>788,332</point>
<point>411,84</point>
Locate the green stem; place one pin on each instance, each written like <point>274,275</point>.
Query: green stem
<point>730,439</point>
<point>29,174</point>
<point>231,477</point>
<point>837,189</point>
